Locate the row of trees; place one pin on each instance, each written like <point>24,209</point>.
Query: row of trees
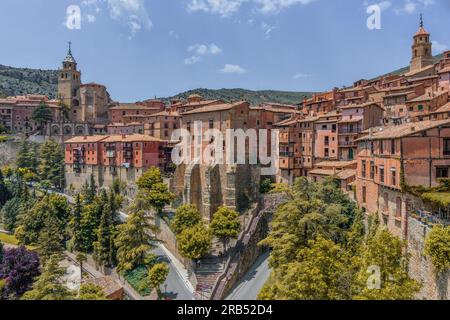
<point>321,250</point>
<point>43,164</point>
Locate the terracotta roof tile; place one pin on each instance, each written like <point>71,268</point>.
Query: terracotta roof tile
<point>403,130</point>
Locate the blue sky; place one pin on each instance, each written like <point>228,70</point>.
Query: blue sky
<point>146,48</point>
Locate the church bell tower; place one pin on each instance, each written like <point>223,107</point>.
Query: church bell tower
<point>69,81</point>
<point>422,55</point>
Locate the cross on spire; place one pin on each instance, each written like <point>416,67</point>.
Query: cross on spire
<point>421,20</point>
<point>70,47</point>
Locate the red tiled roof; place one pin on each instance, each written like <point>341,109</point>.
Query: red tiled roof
<point>215,108</point>
<point>403,130</point>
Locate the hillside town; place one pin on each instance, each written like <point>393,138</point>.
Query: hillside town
<point>383,142</point>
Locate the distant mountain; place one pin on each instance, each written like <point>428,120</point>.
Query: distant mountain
<point>254,97</point>
<point>20,81</point>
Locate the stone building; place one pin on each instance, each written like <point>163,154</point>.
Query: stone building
<point>422,53</point>
<point>125,157</point>
<point>86,103</point>
<point>210,186</point>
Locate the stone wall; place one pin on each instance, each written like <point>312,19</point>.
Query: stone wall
<point>8,152</point>
<point>434,287</point>
<point>210,187</point>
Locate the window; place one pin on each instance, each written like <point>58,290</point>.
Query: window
<point>420,107</point>
<point>442,172</point>
<point>382,174</point>
<point>211,124</point>
<point>333,128</point>
<point>324,127</point>
<point>392,146</point>
<point>327,153</point>
<point>398,207</point>
<point>327,141</point>
<point>364,194</point>
<point>381,146</point>
<point>385,202</point>
<point>372,169</point>
<point>446,147</point>
<point>363,168</point>
<point>393,176</point>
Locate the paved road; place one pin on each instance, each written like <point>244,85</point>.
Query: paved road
<point>174,286</point>
<point>250,285</point>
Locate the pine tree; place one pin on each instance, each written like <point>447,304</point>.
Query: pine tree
<point>50,239</point>
<point>75,225</point>
<point>27,156</point>
<point>134,240</point>
<point>51,166</point>
<point>49,285</point>
<point>102,247</point>
<point>5,194</point>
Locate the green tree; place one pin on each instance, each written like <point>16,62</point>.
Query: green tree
<point>75,225</point>
<point>225,225</point>
<point>384,253</point>
<point>27,156</point>
<point>50,240</point>
<point>157,275</point>
<point>150,177</point>
<point>437,247</point>
<point>102,247</point>
<point>134,240</point>
<point>91,292</point>
<point>42,115</point>
<point>49,285</point>
<point>154,190</point>
<point>194,242</point>
<point>51,165</point>
<point>5,194</point>
<point>186,216</point>
<point>81,258</point>
<point>311,210</point>
<point>33,221</point>
<point>320,273</point>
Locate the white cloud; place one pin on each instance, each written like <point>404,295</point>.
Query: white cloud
<point>174,35</point>
<point>226,8</point>
<point>201,50</point>
<point>301,76</point>
<point>204,49</point>
<point>90,18</point>
<point>273,6</point>
<point>383,5</point>
<point>233,69</point>
<point>191,60</point>
<point>438,47</point>
<point>130,13</point>
<point>221,7</point>
<point>267,29</point>
<point>411,6</point>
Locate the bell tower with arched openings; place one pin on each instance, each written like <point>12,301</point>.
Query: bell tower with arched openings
<point>69,81</point>
<point>422,54</point>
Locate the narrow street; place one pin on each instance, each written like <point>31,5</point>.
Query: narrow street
<point>251,284</point>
